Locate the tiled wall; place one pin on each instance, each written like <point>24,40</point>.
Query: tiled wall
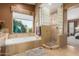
<point>46,34</point>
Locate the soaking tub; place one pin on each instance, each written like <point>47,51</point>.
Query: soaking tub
<point>18,45</point>
<point>13,41</point>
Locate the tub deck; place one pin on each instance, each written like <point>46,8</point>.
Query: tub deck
<point>18,45</point>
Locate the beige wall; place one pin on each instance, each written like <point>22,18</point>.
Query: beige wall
<point>6,13</point>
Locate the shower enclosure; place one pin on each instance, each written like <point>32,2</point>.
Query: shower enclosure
<point>51,22</point>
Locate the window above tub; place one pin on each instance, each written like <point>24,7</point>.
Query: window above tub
<point>22,23</point>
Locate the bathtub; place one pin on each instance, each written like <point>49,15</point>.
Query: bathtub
<point>19,45</point>
<point>13,41</point>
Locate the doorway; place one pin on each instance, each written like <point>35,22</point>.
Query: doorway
<point>73,27</point>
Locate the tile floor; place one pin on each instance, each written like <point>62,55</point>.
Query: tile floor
<point>71,50</point>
